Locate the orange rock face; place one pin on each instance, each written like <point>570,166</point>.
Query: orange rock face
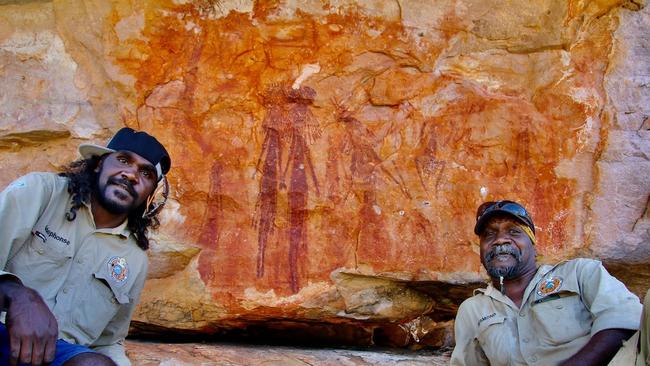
<point>357,168</point>
<point>315,141</point>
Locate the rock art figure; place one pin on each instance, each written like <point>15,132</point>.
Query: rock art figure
<point>274,126</point>
<point>360,143</point>
<point>429,166</point>
<point>288,121</point>
<point>365,164</point>
<point>304,127</point>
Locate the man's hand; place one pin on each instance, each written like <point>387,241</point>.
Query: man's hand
<point>32,328</point>
<point>601,348</point>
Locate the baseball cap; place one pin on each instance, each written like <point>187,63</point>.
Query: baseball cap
<point>509,208</point>
<point>138,142</point>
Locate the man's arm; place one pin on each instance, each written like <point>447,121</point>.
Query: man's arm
<point>615,312</point>
<point>601,348</point>
<point>31,326</point>
<point>467,351</point>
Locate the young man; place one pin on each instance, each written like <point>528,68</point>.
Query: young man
<point>572,313</point>
<point>72,253</point>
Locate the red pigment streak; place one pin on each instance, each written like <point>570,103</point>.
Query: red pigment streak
<point>268,196</point>
<point>298,195</point>
<point>210,231</point>
<point>267,199</point>
<point>303,126</point>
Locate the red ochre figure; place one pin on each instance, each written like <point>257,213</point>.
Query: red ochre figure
<point>288,120</point>
<point>365,163</point>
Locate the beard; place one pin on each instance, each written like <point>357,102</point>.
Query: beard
<point>508,272</point>
<point>111,205</point>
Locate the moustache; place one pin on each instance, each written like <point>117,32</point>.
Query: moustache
<point>502,249</point>
<point>124,183</point>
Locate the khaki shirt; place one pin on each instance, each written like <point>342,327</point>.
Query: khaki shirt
<point>562,308</point>
<point>90,278</point>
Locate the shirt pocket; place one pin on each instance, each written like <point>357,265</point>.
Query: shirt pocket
<point>50,246</point>
<point>560,318</point>
<point>42,259</point>
<point>101,302</point>
<point>496,339</point>
<point>488,326</point>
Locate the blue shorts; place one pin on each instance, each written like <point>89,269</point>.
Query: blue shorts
<point>64,350</point>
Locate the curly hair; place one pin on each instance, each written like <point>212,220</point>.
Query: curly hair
<point>82,185</point>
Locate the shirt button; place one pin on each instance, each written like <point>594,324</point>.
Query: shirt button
<point>559,307</point>
<point>522,314</point>
<point>533,359</point>
<point>40,251</point>
<point>525,340</point>
<point>65,290</point>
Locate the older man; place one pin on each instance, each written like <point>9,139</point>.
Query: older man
<point>571,313</point>
<point>72,253</point>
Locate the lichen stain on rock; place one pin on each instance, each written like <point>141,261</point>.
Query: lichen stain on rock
<point>392,185</point>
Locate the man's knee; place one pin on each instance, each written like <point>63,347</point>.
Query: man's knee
<point>90,359</point>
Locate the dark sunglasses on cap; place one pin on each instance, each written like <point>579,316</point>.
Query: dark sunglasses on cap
<point>490,209</point>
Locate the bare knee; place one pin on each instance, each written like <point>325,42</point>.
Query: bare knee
<point>90,359</point>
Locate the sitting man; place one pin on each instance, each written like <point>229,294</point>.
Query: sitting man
<point>572,313</point>
<point>72,253</point>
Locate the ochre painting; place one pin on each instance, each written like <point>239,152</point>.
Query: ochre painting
<point>328,142</point>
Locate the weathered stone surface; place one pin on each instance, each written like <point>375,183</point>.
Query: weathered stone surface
<point>623,171</point>
<point>328,156</point>
<point>149,354</point>
<point>41,100</point>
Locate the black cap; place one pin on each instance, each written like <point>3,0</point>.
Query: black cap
<point>138,142</point>
<point>488,210</point>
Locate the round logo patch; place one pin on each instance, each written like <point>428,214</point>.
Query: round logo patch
<point>118,269</point>
<point>549,286</point>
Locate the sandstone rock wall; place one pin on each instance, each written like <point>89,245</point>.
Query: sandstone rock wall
<point>328,157</point>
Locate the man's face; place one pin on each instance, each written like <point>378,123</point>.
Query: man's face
<point>124,181</point>
<point>506,249</point>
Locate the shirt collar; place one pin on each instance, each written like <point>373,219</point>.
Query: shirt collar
<point>496,294</point>
<point>120,230</point>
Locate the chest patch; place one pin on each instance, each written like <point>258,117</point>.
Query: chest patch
<point>549,285</point>
<point>118,270</point>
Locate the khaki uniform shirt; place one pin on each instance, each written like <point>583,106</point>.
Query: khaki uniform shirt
<point>562,308</point>
<point>90,278</point>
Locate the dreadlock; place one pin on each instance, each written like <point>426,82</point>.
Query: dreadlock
<point>82,185</point>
